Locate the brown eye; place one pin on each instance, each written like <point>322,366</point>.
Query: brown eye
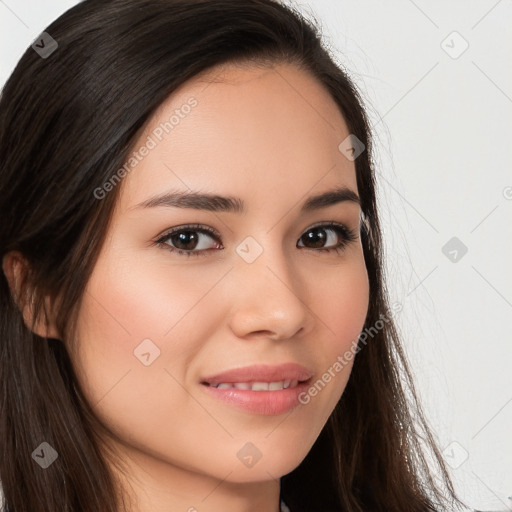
<point>189,240</point>
<point>186,240</point>
<point>193,240</point>
<point>327,237</point>
<point>316,237</point>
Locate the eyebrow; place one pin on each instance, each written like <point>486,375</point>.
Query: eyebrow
<point>217,203</point>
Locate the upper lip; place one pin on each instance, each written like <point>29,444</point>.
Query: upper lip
<point>261,373</point>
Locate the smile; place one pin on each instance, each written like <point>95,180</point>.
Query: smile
<point>258,386</point>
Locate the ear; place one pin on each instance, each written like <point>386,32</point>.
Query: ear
<point>15,268</point>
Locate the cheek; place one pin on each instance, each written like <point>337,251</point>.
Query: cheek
<point>126,304</point>
<point>340,302</point>
<point>343,304</point>
<point>127,301</point>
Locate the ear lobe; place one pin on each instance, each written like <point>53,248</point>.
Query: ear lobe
<point>15,268</point>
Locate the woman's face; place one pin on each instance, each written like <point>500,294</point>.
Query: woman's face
<point>258,290</point>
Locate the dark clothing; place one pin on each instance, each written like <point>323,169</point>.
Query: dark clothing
<point>296,504</point>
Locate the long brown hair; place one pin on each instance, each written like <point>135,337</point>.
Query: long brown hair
<point>68,120</point>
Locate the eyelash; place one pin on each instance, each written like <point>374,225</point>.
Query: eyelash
<point>347,236</point>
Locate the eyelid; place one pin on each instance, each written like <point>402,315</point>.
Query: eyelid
<point>201,228</point>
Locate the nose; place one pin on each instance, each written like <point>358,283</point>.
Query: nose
<point>269,299</point>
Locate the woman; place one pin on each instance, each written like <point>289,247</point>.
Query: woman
<point>267,374</point>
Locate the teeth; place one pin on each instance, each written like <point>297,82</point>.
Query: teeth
<point>242,385</point>
<point>258,386</point>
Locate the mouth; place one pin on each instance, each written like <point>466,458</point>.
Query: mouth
<point>262,377</point>
<point>259,386</point>
<point>259,397</point>
<point>260,389</point>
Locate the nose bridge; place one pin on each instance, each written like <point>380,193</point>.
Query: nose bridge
<point>269,298</point>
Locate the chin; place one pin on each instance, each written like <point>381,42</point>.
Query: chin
<point>269,469</point>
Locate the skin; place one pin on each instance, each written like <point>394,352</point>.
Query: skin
<point>255,136</point>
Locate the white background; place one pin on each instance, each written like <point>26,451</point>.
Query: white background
<point>443,131</point>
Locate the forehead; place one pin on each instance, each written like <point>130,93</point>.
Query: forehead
<point>245,130</point>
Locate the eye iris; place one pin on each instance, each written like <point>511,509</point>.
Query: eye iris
<point>316,236</point>
<point>183,240</point>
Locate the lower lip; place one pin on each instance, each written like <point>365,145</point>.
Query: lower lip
<point>260,402</point>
